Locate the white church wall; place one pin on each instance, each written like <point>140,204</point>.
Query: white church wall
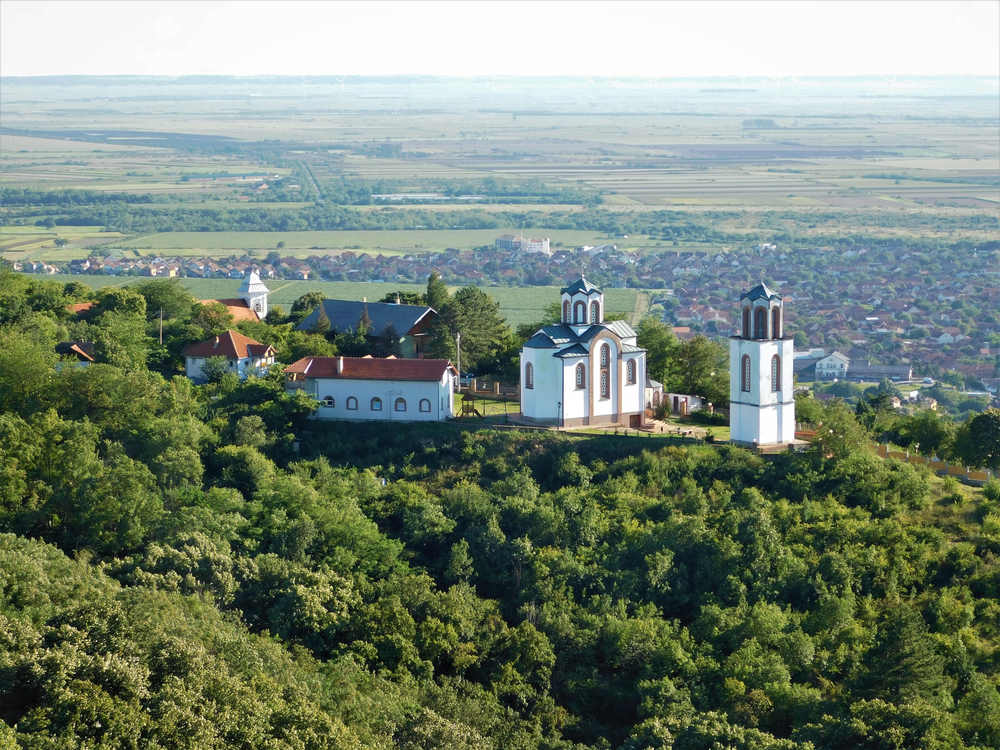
<point>575,400</point>
<point>440,395</point>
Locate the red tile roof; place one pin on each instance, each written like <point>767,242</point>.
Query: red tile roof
<point>238,308</point>
<point>79,307</point>
<point>368,368</point>
<point>231,344</point>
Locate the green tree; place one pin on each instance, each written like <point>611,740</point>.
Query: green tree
<point>978,441</point>
<point>168,295</point>
<point>214,368</point>
<point>213,318</point>
<point>485,334</point>
<point>121,340</point>
<point>122,300</point>
<point>660,343</point>
<point>904,664</point>
<point>306,304</point>
<point>700,367</point>
<point>437,292</point>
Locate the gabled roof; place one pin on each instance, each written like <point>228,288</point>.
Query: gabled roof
<point>618,327</point>
<point>371,368</point>
<point>540,341</point>
<point>574,351</point>
<point>344,314</point>
<point>231,345</point>
<point>582,285</point>
<point>761,291</point>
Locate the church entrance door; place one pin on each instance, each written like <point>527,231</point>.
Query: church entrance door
<point>633,421</point>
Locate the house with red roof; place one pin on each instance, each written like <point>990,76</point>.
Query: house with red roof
<point>244,354</point>
<point>369,388</point>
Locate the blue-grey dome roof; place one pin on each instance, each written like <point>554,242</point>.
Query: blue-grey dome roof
<point>761,291</point>
<point>580,286</point>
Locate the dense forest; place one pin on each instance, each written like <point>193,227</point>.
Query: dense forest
<point>205,567</point>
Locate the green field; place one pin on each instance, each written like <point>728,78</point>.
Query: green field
<point>399,240</point>
<point>517,304</point>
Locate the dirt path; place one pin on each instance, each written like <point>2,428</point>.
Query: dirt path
<point>641,308</point>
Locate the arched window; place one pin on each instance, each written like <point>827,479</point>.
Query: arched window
<point>581,375</point>
<point>566,312</point>
<point>580,313</point>
<point>760,323</point>
<point>400,404</point>
<point>745,376</point>
<point>746,322</point>
<point>776,323</point>
<point>605,354</point>
<point>376,404</point>
<point>656,399</point>
<point>775,373</point>
<point>604,384</point>
<point>595,313</point>
<point>529,376</point>
<point>630,371</point>
<point>352,404</point>
<point>328,402</point>
<point>425,405</point>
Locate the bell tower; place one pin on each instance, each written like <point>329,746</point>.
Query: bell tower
<point>254,293</point>
<point>582,305</point>
<point>761,402</point>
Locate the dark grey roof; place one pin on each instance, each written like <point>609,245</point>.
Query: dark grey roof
<point>540,341</point>
<point>629,349</point>
<point>618,327</point>
<point>574,351</point>
<point>559,333</point>
<point>344,314</point>
<point>761,291</point>
<point>650,383</point>
<point>580,286</point>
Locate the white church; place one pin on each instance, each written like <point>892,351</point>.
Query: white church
<point>761,395</point>
<point>583,370</point>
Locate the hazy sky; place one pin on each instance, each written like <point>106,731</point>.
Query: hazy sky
<point>944,37</point>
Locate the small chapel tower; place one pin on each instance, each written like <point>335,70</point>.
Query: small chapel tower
<point>254,293</point>
<point>761,402</point>
<point>582,304</point>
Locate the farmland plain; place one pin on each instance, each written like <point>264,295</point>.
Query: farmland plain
<point>823,158</point>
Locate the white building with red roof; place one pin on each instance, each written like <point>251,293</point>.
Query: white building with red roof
<point>244,354</point>
<point>367,388</point>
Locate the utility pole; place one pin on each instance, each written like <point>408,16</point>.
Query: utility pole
<point>458,350</point>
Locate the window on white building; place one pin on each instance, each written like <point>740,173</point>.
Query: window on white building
<point>529,376</point>
<point>630,371</point>
<point>580,376</point>
<point>400,404</point>
<point>604,384</point>
<point>352,404</point>
<point>328,402</point>
<point>425,405</point>
<point>376,404</point>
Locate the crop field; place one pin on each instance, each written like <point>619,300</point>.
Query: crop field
<point>402,240</point>
<point>819,157</point>
<point>517,304</point>
<point>38,243</point>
